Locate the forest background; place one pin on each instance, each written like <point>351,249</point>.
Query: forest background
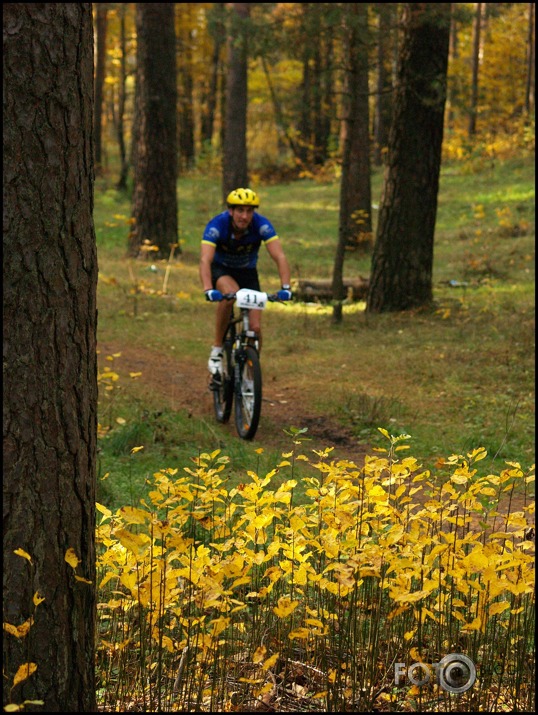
<point>294,134</point>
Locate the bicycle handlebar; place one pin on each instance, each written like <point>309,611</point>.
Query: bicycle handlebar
<point>271,297</point>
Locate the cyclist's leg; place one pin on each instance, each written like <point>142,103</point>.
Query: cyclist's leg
<point>255,322</point>
<point>250,279</point>
<point>225,284</point>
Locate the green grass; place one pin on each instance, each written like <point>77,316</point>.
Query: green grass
<point>454,377</point>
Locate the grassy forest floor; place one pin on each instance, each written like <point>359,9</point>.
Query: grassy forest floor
<point>456,376</point>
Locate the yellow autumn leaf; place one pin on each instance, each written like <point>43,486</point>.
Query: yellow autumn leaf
<point>377,493</point>
<point>19,631</point>
<point>516,519</point>
<point>132,515</point>
<point>393,535</point>
<point>22,552</point>
<point>37,599</point>
<point>259,654</point>
<point>409,634</point>
<point>120,420</point>
<point>302,633</point>
<point>103,509</point>
<point>136,449</point>
<point>24,672</point>
<point>133,542</point>
<point>477,454</point>
<point>71,558</point>
<point>109,374</point>
<point>135,374</point>
<point>476,560</point>
<point>84,580</point>
<point>474,625</point>
<point>270,661</point>
<point>285,607</point>
<point>240,582</point>
<point>498,607</point>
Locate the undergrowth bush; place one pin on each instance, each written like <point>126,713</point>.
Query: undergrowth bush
<point>215,600</point>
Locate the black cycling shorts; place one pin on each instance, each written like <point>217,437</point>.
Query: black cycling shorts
<point>244,277</point>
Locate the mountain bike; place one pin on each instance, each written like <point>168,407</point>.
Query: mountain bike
<point>241,376</point>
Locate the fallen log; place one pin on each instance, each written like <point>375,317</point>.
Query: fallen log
<point>312,291</point>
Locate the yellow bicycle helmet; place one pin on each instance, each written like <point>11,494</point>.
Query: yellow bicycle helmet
<point>243,197</point>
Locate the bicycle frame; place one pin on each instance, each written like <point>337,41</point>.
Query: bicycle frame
<point>241,377</point>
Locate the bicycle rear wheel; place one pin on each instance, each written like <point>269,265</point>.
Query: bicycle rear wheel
<point>248,394</point>
<point>222,386</point>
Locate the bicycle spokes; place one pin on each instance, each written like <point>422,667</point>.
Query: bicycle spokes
<point>248,396</point>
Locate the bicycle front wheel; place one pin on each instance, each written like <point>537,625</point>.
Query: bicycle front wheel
<point>248,393</point>
<point>222,386</point>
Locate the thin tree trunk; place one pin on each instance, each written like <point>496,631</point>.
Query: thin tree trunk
<point>101,32</point>
<point>529,85</point>
<point>473,107</point>
<point>383,100</point>
<point>124,164</point>
<point>355,223</point>
<point>282,127</point>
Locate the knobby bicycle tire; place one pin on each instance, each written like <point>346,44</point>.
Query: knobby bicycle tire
<point>223,386</point>
<point>248,393</point>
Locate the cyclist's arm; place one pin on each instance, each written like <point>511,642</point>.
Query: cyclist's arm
<point>206,257</point>
<point>277,254</point>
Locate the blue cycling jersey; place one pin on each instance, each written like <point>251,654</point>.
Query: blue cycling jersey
<point>241,252</point>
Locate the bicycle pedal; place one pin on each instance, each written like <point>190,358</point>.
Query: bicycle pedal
<point>215,383</point>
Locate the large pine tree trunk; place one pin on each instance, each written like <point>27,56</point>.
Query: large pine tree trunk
<point>234,155</point>
<point>154,207</point>
<point>50,368</point>
<point>402,261</point>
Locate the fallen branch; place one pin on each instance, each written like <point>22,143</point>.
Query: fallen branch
<point>321,290</point>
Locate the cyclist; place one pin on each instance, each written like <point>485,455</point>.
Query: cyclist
<point>228,259</point>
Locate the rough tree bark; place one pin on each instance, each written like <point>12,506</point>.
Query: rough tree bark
<point>355,221</point>
<point>402,262</point>
<point>154,206</point>
<point>234,153</point>
<point>50,365</point>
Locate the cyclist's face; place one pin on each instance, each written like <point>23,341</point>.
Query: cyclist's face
<point>242,216</point>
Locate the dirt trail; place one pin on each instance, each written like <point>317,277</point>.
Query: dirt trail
<point>183,385</point>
